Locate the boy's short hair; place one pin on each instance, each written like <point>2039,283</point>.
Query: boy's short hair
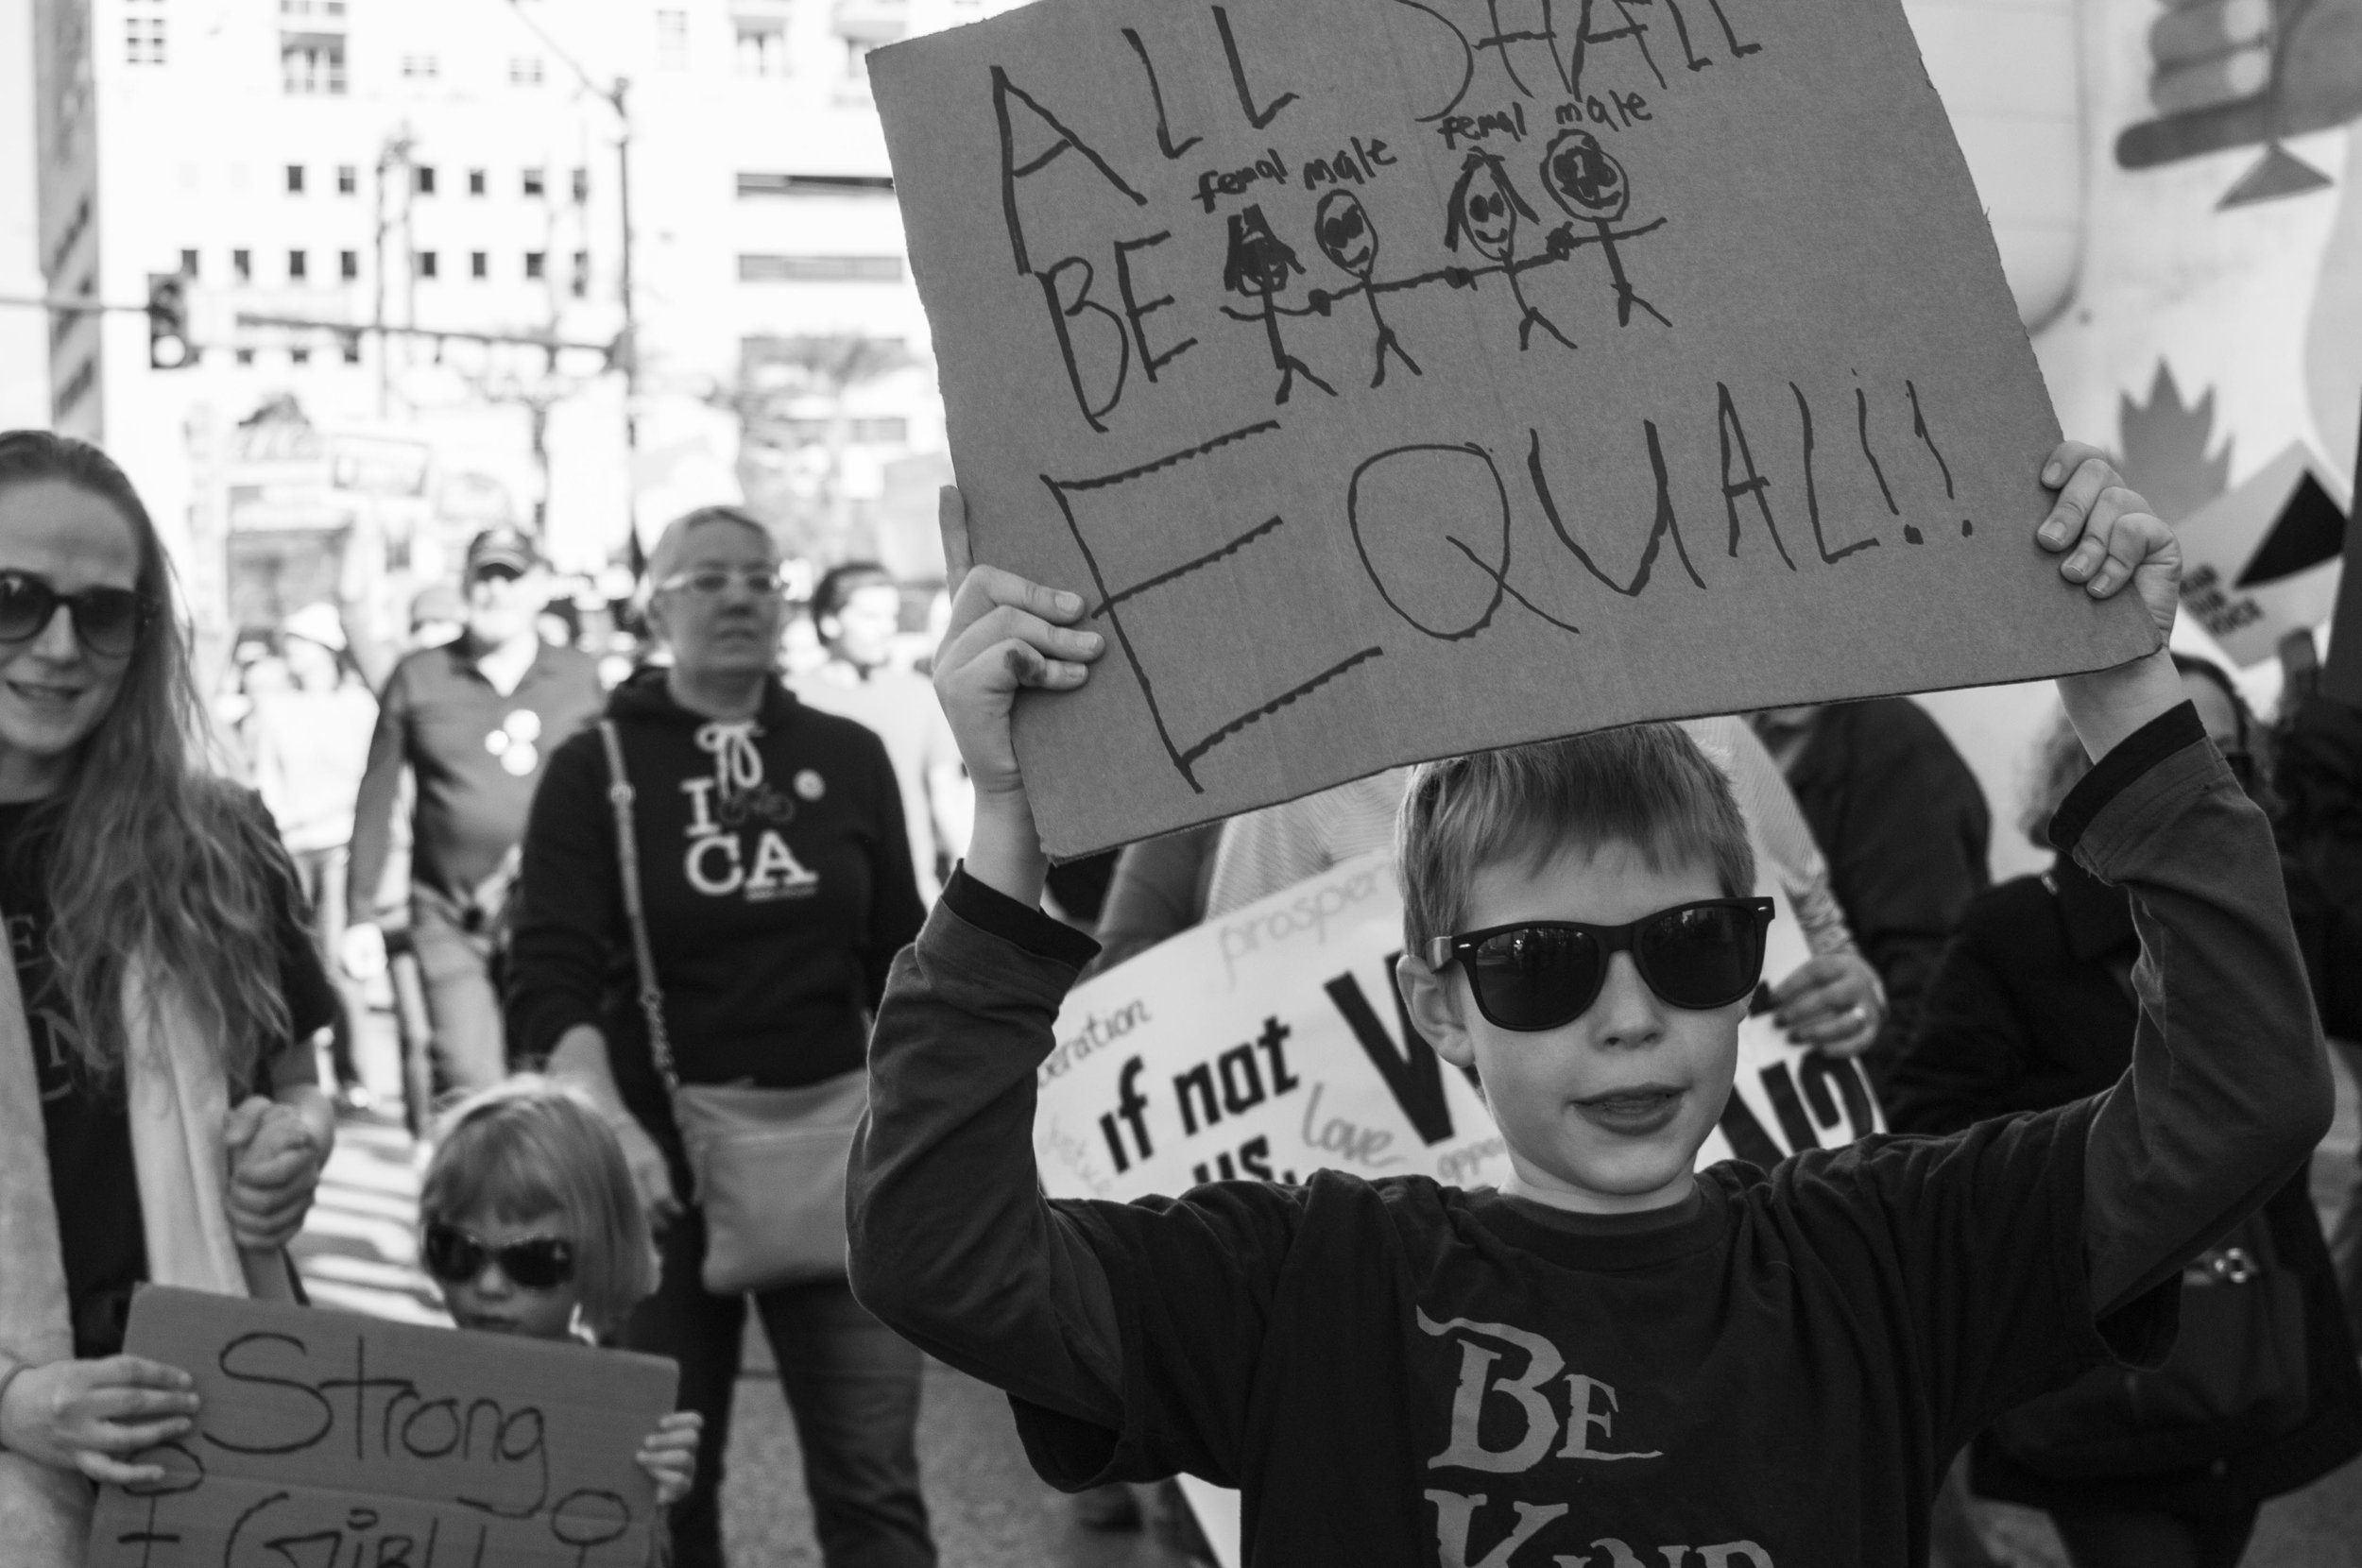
<point>1647,786</point>
<point>527,1146</point>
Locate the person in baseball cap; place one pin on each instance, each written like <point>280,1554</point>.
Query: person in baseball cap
<point>498,550</point>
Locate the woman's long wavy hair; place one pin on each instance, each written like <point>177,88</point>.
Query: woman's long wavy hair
<point>156,855</point>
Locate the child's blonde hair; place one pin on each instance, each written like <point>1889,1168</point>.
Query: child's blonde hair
<point>529,1145</point>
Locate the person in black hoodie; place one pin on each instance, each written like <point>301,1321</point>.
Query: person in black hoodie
<point>2033,1007</point>
<point>778,882</point>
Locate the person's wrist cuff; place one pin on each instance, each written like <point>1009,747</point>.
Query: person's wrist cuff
<point>2138,752</point>
<point>990,910</point>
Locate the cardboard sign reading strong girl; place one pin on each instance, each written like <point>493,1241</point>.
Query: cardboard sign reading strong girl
<point>1405,377</point>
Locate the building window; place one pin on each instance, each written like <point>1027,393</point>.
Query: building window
<point>245,356</point>
<point>299,266</point>
<point>348,265</point>
<point>420,67</point>
<point>761,51</point>
<point>309,65</point>
<point>534,182</point>
<point>424,264</point>
<point>188,264</point>
<point>422,179</point>
<point>295,179</point>
<point>479,264</point>
<point>535,263</point>
<point>143,36</point>
<point>671,41</point>
<point>298,356</point>
<point>582,184</point>
<point>819,269</point>
<point>475,182</point>
<point>242,266</point>
<point>581,283</point>
<point>353,348</point>
<point>348,180</point>
<point>524,70</point>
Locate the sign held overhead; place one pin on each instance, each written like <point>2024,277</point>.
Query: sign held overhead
<point>1406,377</point>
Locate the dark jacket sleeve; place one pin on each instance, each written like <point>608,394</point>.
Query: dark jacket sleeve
<point>570,896</point>
<point>894,910</point>
<point>1159,891</point>
<point>373,806</point>
<point>952,1242</point>
<point>2319,782</point>
<point>1968,1053</point>
<point>2230,1085</point>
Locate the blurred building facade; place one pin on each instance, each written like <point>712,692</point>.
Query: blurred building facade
<point>456,167</point>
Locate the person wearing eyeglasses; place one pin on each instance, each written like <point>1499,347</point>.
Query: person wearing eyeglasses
<point>776,878</point>
<point>160,1119</point>
<point>474,720</point>
<point>857,609</point>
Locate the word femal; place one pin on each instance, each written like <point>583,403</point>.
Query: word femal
<point>1456,128</point>
<point>1214,183</point>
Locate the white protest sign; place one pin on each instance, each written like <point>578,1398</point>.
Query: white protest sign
<point>2262,559</point>
<point>1272,1044</point>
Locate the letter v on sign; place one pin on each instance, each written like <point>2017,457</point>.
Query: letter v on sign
<point>1413,1071</point>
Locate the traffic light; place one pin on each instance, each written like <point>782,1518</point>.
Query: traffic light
<point>168,345</point>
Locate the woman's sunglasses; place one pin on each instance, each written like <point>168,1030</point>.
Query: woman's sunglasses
<point>537,1263</point>
<point>1545,973</point>
<point>109,620</point>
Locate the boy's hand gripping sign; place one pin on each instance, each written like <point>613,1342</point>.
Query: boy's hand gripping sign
<point>1400,378</point>
<point>338,1440</point>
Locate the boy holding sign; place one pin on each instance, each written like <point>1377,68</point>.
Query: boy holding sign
<point>1611,1361</point>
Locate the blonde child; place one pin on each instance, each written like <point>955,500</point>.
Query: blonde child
<point>529,1224</point>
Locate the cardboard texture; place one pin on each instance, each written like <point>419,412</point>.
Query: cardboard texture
<point>1270,1044</point>
<point>331,1439</point>
<point>2260,560</point>
<point>1402,379</point>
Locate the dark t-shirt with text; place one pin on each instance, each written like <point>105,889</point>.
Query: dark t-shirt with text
<point>1404,1374</point>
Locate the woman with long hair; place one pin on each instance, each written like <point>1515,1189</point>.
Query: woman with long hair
<point>776,880</point>
<point>160,1116</point>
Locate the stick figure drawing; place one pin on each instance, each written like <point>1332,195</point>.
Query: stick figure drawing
<point>1256,268</point>
<point>1347,237</point>
<point>1589,185</point>
<point>1485,208</point>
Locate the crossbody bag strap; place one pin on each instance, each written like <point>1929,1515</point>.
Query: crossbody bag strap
<point>619,797</point>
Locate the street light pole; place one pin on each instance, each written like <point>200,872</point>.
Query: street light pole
<point>617,98</point>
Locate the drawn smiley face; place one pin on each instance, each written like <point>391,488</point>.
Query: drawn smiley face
<point>1584,178</point>
<point>1346,236</point>
<point>1487,219</point>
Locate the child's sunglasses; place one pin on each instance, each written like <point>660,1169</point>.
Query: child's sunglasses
<point>537,1263</point>
<point>1544,973</point>
<point>109,620</point>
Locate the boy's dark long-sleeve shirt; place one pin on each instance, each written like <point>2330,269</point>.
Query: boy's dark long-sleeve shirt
<point>1775,1372</point>
<point>476,756</point>
<point>778,882</point>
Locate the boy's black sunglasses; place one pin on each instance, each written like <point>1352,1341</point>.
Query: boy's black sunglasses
<point>1544,973</point>
<point>537,1263</point>
<point>109,620</point>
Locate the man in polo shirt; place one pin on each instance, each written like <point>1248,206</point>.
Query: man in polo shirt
<point>473,721</point>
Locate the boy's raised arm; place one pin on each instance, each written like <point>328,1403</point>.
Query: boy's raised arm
<point>952,1242</point>
<point>2229,1088</point>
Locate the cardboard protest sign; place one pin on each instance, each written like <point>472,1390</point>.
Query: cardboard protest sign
<point>1398,378</point>
<point>1271,1043</point>
<point>334,1439</point>
<point>2260,560</point>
